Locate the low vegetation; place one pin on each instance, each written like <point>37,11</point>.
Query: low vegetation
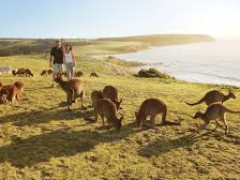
<point>153,73</point>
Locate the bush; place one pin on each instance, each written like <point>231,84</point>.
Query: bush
<point>153,73</point>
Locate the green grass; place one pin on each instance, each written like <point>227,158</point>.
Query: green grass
<point>40,139</point>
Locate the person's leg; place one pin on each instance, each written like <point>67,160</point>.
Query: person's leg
<point>54,75</point>
<point>68,70</point>
<point>72,71</point>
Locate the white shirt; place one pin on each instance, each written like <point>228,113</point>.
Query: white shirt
<point>68,57</point>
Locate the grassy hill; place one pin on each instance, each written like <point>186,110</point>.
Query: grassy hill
<point>40,139</point>
<point>85,47</point>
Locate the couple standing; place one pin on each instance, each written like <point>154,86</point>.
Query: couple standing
<point>63,55</point>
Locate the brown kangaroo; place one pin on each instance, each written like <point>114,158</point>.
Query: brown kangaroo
<point>19,72</point>
<point>94,75</point>
<point>44,73</point>
<point>111,92</point>
<point>79,74</point>
<point>215,112</point>
<point>213,97</point>
<point>105,108</point>
<point>73,89</point>
<point>50,72</point>
<point>28,73</point>
<point>13,91</point>
<point>151,107</point>
<point>1,86</point>
<point>3,94</point>
<point>95,96</point>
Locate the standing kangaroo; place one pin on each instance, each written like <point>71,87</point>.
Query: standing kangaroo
<point>111,93</point>
<point>213,97</point>
<point>73,89</point>
<point>215,112</point>
<point>107,109</point>
<point>151,107</point>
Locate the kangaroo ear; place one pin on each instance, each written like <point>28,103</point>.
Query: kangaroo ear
<point>135,114</point>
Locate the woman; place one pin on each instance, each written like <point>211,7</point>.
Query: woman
<point>69,60</point>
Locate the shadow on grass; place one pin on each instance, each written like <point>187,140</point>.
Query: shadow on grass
<point>39,116</point>
<point>40,148</point>
<point>162,146</point>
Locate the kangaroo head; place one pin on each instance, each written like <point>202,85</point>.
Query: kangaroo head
<point>119,123</point>
<point>198,114</point>
<point>138,119</point>
<point>14,72</point>
<point>58,78</point>
<point>231,94</point>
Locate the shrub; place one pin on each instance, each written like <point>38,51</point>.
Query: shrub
<point>153,73</point>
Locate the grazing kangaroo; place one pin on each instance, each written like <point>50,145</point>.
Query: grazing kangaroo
<point>50,72</point>
<point>79,74</point>
<point>95,96</point>
<point>94,75</point>
<point>111,93</point>
<point>73,88</point>
<point>44,73</point>
<point>213,97</point>
<point>28,73</point>
<point>105,108</point>
<point>215,112</point>
<point>151,107</point>
<point>19,72</point>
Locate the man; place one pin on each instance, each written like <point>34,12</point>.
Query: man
<point>56,58</point>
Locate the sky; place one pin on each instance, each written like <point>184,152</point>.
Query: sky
<point>117,18</point>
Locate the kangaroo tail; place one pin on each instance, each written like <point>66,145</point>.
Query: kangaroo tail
<point>231,111</point>
<point>193,104</point>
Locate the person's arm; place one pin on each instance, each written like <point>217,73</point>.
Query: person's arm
<point>63,57</point>
<point>74,59</point>
<point>51,59</point>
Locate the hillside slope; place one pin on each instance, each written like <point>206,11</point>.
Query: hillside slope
<point>40,139</point>
<point>85,47</point>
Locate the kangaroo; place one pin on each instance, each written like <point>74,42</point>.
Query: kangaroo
<point>213,97</point>
<point>14,91</point>
<point>105,108</point>
<point>3,94</point>
<point>44,73</point>
<point>28,73</point>
<point>19,72</point>
<point>50,72</point>
<point>151,107</point>
<point>94,75</point>
<point>1,86</point>
<point>215,112</point>
<point>112,93</point>
<point>79,74</point>
<point>95,96</point>
<point>73,89</point>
